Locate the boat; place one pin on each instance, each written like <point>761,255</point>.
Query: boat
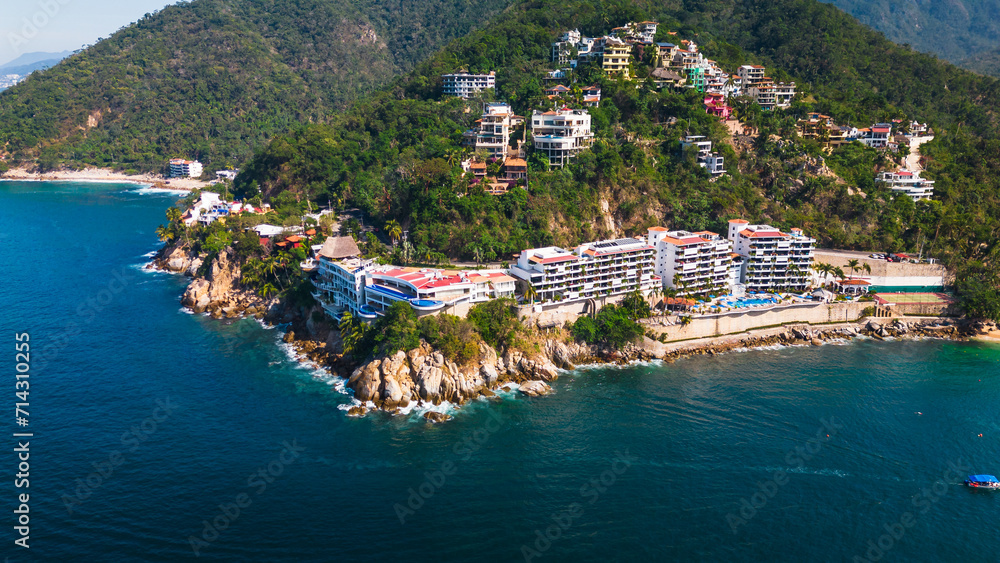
<point>983,482</point>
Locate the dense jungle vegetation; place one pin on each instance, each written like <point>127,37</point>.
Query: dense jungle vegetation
<point>214,80</point>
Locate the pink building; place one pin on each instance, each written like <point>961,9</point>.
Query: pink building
<point>715,104</point>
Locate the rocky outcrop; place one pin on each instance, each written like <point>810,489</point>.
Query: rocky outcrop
<point>219,292</point>
<point>425,375</point>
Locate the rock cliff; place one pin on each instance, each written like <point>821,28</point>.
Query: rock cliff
<point>425,375</point>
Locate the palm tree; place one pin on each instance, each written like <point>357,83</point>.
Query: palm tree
<point>267,290</point>
<point>394,230</point>
<point>165,234</point>
<point>838,273</point>
<point>477,254</point>
<point>853,265</point>
<point>866,268</point>
<point>174,215</point>
<point>530,294</point>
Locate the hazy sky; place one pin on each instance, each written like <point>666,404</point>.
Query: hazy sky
<point>28,26</point>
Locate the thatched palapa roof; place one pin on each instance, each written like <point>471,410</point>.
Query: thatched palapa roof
<point>337,248</point>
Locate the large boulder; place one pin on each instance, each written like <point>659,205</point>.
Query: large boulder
<point>366,381</point>
<point>535,388</point>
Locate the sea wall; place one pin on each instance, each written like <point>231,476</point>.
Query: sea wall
<point>890,273</point>
<point>721,324</point>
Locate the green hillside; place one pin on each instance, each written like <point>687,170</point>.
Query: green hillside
<point>395,154</point>
<point>961,31</point>
<point>215,79</point>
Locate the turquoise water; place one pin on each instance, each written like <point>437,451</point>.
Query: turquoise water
<point>679,447</point>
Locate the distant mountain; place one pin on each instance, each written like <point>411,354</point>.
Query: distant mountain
<point>984,63</point>
<point>29,59</point>
<point>25,70</point>
<point>955,30</point>
<point>214,79</point>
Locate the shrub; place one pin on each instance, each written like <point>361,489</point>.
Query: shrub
<point>456,338</point>
<point>496,322</point>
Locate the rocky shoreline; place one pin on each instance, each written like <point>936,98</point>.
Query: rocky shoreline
<point>424,377</point>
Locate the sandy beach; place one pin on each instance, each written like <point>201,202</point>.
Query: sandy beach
<point>104,175</point>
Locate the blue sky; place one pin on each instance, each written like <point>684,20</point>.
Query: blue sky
<point>28,26</point>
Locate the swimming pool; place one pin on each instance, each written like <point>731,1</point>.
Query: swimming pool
<point>742,302</point>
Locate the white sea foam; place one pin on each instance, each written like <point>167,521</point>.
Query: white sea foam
<point>148,189</point>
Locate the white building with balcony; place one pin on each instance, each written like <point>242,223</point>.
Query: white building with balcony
<point>347,282</point>
<point>772,260</point>
<point>180,168</point>
<point>492,131</point>
<point>692,263</point>
<point>465,85</point>
<point>561,135</point>
<point>909,183</point>
<point>877,136</point>
<point>713,162</point>
<point>606,268</point>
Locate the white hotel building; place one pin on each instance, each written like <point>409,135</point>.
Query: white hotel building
<point>598,269</point>
<point>909,183</point>
<point>347,282</point>
<point>465,85</point>
<point>692,263</point>
<point>772,260</point>
<point>180,168</point>
<point>561,135</point>
<point>492,132</point>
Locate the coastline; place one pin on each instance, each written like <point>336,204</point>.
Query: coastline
<point>105,175</point>
<point>424,379</point>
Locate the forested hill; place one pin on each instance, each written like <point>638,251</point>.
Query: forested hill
<point>965,32</point>
<point>395,155</point>
<point>215,79</point>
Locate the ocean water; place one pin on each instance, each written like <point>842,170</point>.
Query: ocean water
<point>165,436</point>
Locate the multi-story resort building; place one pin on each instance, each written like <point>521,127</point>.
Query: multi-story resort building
<point>772,260</point>
<point>767,94</point>
<point>492,132</point>
<point>562,134</point>
<point>713,162</point>
<point>616,58</point>
<point>909,183</point>
<point>751,74</point>
<point>599,269</point>
<point>822,128</point>
<point>877,136</point>
<point>465,85</point>
<point>562,50</point>
<point>180,168</point>
<point>692,263</point>
<point>347,282</point>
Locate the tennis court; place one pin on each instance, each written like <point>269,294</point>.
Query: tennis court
<point>883,298</point>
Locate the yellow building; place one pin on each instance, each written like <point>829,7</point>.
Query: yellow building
<point>617,55</point>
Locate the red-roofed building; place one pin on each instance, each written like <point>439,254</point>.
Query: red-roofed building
<point>692,263</point>
<point>599,269</point>
<point>877,136</point>
<point>772,260</point>
<point>907,182</point>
